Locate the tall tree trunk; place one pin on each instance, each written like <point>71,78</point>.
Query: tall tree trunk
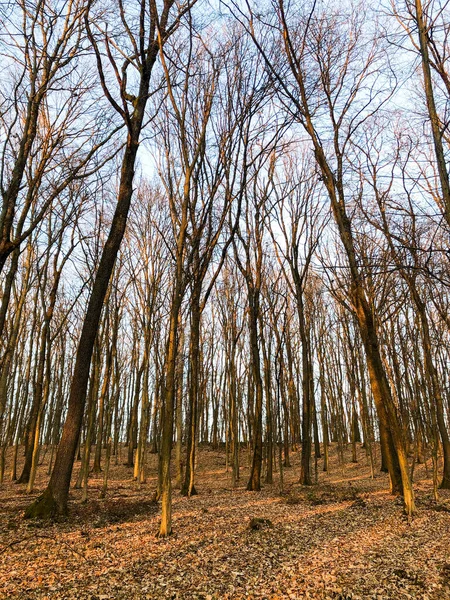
<point>168,417</point>
<point>254,482</point>
<point>432,112</point>
<point>188,488</point>
<point>307,409</point>
<point>269,406</point>
<point>54,499</point>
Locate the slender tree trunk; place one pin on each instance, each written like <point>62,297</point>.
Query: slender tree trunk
<point>254,482</point>
<point>432,112</point>
<point>168,417</point>
<point>188,488</point>
<point>269,406</point>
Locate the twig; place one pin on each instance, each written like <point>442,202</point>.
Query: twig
<point>41,536</point>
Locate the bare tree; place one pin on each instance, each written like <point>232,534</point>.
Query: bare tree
<point>297,214</point>
<point>428,31</point>
<point>138,51</point>
<point>326,81</point>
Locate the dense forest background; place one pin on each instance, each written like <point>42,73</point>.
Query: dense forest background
<point>223,224</point>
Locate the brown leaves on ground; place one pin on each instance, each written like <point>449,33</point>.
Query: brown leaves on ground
<point>344,538</point>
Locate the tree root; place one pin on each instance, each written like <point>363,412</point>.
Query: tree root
<point>44,507</point>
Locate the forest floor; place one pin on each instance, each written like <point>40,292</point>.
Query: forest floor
<point>343,538</point>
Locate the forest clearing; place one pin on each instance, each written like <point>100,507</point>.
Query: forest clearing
<point>343,538</point>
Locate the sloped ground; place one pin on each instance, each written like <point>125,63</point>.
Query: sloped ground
<point>344,538</point>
